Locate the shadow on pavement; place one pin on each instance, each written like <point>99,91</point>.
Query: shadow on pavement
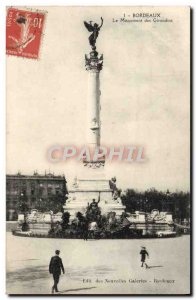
<point>80,289</point>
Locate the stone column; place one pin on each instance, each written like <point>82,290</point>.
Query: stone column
<point>93,64</point>
<point>93,109</point>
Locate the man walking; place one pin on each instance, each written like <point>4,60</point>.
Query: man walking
<point>55,268</point>
<point>143,254</point>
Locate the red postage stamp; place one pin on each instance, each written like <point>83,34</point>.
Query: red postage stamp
<point>24,30</point>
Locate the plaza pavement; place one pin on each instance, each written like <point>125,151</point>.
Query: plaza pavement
<point>92,267</point>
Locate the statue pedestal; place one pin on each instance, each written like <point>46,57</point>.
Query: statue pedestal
<point>85,190</point>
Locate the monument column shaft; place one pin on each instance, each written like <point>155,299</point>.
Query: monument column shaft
<point>93,109</point>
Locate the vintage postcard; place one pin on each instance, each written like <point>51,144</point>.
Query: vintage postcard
<point>98,150</point>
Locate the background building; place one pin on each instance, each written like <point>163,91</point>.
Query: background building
<point>43,192</point>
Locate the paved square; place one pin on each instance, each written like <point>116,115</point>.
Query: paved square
<point>99,266</point>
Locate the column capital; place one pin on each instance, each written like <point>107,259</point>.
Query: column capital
<point>94,62</point>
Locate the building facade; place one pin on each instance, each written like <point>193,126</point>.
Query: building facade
<point>43,192</point>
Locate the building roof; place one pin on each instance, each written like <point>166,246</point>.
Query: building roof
<point>46,176</point>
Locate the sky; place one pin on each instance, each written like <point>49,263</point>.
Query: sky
<point>145,95</point>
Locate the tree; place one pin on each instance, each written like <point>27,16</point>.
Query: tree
<point>53,203</point>
<point>177,203</point>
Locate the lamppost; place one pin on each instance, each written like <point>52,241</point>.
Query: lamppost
<point>24,209</point>
<point>165,202</point>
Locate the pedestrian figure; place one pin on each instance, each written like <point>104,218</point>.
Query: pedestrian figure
<point>55,268</point>
<point>143,254</point>
<point>85,234</point>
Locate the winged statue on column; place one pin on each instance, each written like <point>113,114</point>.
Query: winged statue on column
<point>94,28</point>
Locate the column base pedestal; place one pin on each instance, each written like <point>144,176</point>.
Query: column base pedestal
<point>85,191</point>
